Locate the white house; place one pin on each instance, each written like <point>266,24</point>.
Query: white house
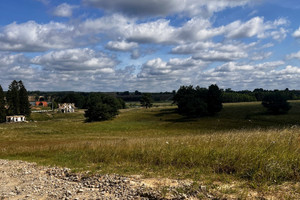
<point>16,118</point>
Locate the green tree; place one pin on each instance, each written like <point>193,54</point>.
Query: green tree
<point>17,99</point>
<point>276,103</point>
<point>146,100</point>
<point>24,102</point>
<point>190,101</point>
<point>101,107</point>
<point>2,106</point>
<point>12,98</point>
<point>197,102</point>
<point>214,99</point>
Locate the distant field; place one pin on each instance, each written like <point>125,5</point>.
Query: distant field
<point>241,143</point>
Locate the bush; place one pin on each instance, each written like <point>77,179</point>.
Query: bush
<point>276,103</point>
<point>101,107</point>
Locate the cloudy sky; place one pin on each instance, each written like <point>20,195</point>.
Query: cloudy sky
<point>150,45</point>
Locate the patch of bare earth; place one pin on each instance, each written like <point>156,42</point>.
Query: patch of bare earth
<point>23,180</point>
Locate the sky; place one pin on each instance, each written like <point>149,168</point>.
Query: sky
<point>149,45</point>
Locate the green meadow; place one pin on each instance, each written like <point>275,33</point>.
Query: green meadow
<point>240,143</point>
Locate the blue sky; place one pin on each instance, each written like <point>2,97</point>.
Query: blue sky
<point>153,45</point>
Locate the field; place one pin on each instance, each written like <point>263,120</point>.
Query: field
<point>241,143</point>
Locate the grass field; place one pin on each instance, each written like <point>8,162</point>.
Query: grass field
<point>240,143</point>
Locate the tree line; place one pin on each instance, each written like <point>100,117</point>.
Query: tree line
<point>198,102</point>
<point>258,94</point>
<point>191,101</point>
<point>228,96</point>
<point>15,102</point>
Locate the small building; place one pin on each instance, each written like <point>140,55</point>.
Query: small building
<point>16,118</point>
<point>66,107</point>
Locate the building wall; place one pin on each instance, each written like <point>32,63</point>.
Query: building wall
<point>16,118</point>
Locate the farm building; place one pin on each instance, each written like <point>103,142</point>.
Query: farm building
<point>16,118</point>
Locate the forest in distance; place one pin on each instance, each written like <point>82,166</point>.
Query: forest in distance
<point>228,95</point>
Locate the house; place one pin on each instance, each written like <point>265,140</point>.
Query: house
<point>16,118</point>
<point>66,107</point>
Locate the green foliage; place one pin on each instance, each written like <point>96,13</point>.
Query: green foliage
<point>53,105</point>
<point>17,99</point>
<point>214,99</point>
<point>276,103</point>
<point>146,100</point>
<point>12,98</point>
<point>23,97</point>
<point>2,106</point>
<point>79,99</point>
<point>122,104</point>
<point>101,107</point>
<point>228,97</point>
<point>195,102</point>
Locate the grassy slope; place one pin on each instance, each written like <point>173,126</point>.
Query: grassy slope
<point>240,143</point>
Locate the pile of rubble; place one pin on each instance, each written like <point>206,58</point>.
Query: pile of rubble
<point>23,180</point>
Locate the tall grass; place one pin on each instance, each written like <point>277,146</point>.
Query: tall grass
<point>245,145</point>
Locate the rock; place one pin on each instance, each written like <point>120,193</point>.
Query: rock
<point>80,191</point>
<point>203,188</point>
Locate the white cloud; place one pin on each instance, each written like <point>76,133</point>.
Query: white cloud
<point>260,55</point>
<point>296,34</point>
<point>249,76</point>
<point>174,68</point>
<point>288,70</point>
<point>294,55</point>
<point>233,67</point>
<point>64,10</point>
<point>69,69</point>
<point>76,60</point>
<point>121,45</point>
<point>150,32</point>
<point>267,66</point>
<point>155,68</point>
<point>11,60</point>
<point>214,56</point>
<point>15,67</point>
<point>257,27</point>
<point>31,36</point>
<point>210,51</point>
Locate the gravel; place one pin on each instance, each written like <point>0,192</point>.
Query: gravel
<point>24,180</point>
